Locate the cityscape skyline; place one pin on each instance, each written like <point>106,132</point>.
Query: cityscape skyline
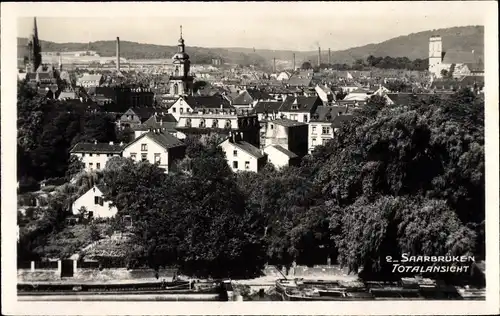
<point>272,32</point>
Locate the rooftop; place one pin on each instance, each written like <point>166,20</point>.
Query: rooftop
<point>285,151</point>
<point>288,123</point>
<point>249,148</point>
<point>327,113</point>
<point>103,148</point>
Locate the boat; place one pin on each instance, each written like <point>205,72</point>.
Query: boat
<point>319,290</point>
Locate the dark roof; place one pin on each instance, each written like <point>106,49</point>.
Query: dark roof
<point>164,139</point>
<point>249,148</point>
<point>322,112</point>
<point>287,123</point>
<point>162,120</point>
<point>103,148</point>
<point>145,113</point>
<point>258,94</point>
<point>471,80</point>
<point>298,82</point>
<point>267,106</point>
<point>341,118</point>
<point>285,151</point>
<point>304,104</point>
<point>208,102</point>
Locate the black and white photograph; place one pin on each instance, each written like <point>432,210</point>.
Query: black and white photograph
<point>296,152</point>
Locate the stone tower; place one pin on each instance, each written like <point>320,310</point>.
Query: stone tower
<point>435,55</point>
<point>181,82</point>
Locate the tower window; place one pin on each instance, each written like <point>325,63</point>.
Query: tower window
<point>176,89</point>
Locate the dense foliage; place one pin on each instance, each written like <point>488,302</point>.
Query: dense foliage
<point>396,179</point>
<point>48,129</point>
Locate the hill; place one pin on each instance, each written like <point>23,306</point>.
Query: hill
<point>413,46</point>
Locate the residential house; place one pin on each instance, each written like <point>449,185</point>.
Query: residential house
<point>94,203</point>
<point>162,121</point>
<point>349,87</point>
<point>187,104</point>
<point>267,109</point>
<point>281,157</point>
<point>381,91</point>
<point>157,147</point>
<point>134,117</point>
<point>242,156</point>
<point>325,93</point>
<point>248,98</point>
<point>291,135</point>
<point>88,81</point>
<point>296,81</point>
<point>299,108</point>
<point>320,125</point>
<point>95,155</point>
<point>399,98</point>
<point>222,121</point>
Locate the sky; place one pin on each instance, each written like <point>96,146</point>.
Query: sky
<point>280,26</point>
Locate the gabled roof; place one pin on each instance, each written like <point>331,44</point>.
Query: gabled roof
<point>207,102</point>
<point>341,118</point>
<point>248,148</point>
<point>102,148</point>
<point>285,151</point>
<point>163,139</point>
<point>162,120</point>
<point>258,94</point>
<point>287,123</point>
<point>145,113</point>
<point>267,106</point>
<point>327,113</point>
<point>300,104</point>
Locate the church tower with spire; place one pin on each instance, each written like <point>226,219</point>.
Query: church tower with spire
<point>181,82</point>
<point>35,50</point>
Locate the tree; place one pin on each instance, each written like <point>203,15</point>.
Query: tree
<point>306,65</point>
<point>75,166</point>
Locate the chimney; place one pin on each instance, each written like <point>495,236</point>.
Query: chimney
<point>329,56</point>
<point>293,62</point>
<point>118,54</point>
<point>121,143</point>
<point>274,65</point>
<point>95,141</point>
<point>319,56</point>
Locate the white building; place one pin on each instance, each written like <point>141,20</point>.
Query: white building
<point>88,81</point>
<point>93,202</point>
<point>156,147</point>
<point>242,156</point>
<point>95,155</point>
<point>187,104</point>
<point>281,157</point>
<point>320,125</point>
<point>324,93</point>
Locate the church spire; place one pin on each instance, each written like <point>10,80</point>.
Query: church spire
<point>35,49</point>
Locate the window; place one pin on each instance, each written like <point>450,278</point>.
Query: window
<point>173,109</point>
<point>90,155</point>
<point>293,117</point>
<point>176,89</point>
<point>91,214</point>
<point>144,147</point>
<point>272,126</point>
<point>313,140</point>
<point>133,156</point>
<point>305,118</point>
<point>235,153</point>
<point>247,164</point>
<point>91,165</point>
<point>98,165</point>
<point>326,130</point>
<point>323,141</point>
<point>235,165</point>
<point>144,157</point>
<point>157,158</point>
<point>98,200</point>
<point>181,110</point>
<point>202,123</point>
<point>83,155</point>
<point>109,155</point>
<point>215,123</point>
<point>314,129</point>
<point>188,122</point>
